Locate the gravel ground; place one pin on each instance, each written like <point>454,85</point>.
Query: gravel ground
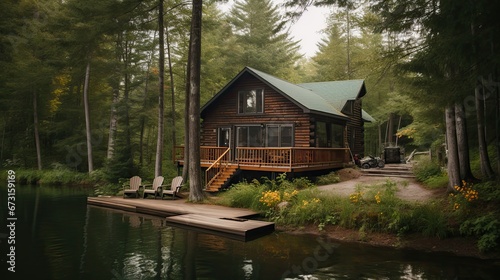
<point>408,188</point>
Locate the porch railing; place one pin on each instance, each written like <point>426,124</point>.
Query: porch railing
<point>276,157</point>
<point>217,168</point>
<point>207,153</point>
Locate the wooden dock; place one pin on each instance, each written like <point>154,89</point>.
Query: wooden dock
<point>233,223</point>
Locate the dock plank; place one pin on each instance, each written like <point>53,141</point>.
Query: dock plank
<point>229,222</point>
<point>240,229</point>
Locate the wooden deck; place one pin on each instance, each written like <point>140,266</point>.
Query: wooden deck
<point>292,159</point>
<point>228,222</point>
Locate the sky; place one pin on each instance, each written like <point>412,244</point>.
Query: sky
<point>307,29</point>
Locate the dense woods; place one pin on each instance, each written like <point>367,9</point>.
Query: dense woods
<point>107,86</point>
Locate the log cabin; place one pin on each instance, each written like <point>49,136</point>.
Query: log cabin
<point>259,123</point>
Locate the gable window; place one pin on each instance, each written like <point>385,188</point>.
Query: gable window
<point>251,101</point>
<point>349,107</point>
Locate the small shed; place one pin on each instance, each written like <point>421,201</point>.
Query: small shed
<point>392,155</point>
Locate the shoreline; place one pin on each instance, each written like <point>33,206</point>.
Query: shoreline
<point>456,246</point>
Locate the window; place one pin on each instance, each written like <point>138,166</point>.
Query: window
<point>329,135</point>
<point>250,101</point>
<point>337,136</point>
<point>279,136</point>
<point>249,136</point>
<point>349,107</point>
<point>321,134</point>
<point>224,137</point>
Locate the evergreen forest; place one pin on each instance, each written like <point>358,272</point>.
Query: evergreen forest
<point>103,87</point>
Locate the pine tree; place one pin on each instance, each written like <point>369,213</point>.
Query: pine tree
<point>261,39</point>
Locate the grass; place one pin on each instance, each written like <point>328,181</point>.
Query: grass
<point>330,178</point>
<point>56,176</point>
<point>374,208</point>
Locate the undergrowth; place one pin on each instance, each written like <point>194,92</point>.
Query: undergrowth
<point>375,208</point>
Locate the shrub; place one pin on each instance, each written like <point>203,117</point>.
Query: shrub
<point>307,207</point>
<point>486,228</point>
<point>302,183</point>
<point>437,182</point>
<point>244,195</point>
<point>107,189</point>
<point>330,178</point>
<point>58,175</point>
<point>430,220</point>
<point>426,169</point>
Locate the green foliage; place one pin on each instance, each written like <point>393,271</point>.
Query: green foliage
<point>486,228</point>
<point>120,166</point>
<point>245,195</point>
<point>430,220</point>
<point>261,39</point>
<point>107,189</point>
<point>374,208</point>
<point>437,182</point>
<point>302,183</point>
<point>58,175</point>
<point>489,191</point>
<point>330,178</point>
<point>426,169</point>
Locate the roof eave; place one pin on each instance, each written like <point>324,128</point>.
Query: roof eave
<point>344,117</point>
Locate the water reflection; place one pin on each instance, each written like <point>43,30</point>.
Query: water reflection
<point>60,237</point>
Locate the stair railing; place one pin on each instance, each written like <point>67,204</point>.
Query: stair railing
<point>219,165</point>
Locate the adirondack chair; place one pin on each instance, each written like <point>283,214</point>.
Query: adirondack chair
<point>155,188</point>
<point>175,186</point>
<point>132,190</point>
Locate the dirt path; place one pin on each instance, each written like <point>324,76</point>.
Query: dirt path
<point>408,188</point>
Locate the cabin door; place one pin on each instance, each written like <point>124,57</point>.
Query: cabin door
<point>224,138</point>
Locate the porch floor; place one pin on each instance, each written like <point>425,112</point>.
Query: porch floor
<point>278,168</point>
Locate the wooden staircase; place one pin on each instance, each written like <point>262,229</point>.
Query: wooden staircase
<point>222,178</point>
<point>390,170</point>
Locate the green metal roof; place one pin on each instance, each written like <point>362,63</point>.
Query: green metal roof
<point>326,98</point>
<point>366,117</point>
<point>303,97</point>
<point>338,93</point>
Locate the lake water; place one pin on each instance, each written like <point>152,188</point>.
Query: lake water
<point>57,236</point>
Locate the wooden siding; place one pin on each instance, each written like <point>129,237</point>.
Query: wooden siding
<point>355,128</point>
<point>277,110</point>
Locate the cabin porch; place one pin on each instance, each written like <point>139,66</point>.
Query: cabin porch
<point>222,162</point>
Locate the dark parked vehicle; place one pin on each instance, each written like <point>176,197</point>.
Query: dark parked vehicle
<point>371,162</point>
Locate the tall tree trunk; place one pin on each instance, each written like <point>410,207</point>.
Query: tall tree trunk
<point>486,169</point>
<point>172,88</point>
<point>185,170</point>
<point>128,151</point>
<point>451,143</point>
<point>497,122</point>
<point>195,185</point>
<point>463,143</point>
<point>348,50</point>
<point>113,122</point>
<point>161,67</point>
<point>390,129</point>
<point>3,139</point>
<point>142,123</point>
<point>90,158</point>
<point>37,134</point>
